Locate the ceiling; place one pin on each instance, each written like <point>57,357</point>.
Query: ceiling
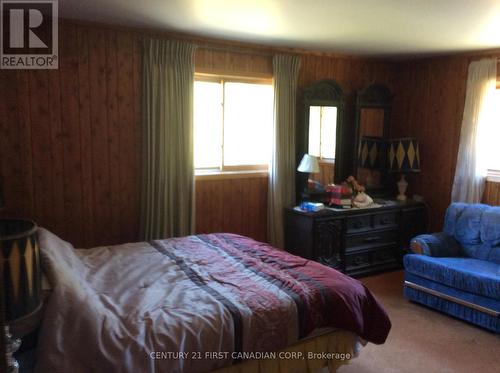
<point>358,27</point>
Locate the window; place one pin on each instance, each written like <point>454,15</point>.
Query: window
<point>233,123</point>
<point>322,131</point>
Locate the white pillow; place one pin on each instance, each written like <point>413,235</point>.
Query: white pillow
<point>58,258</point>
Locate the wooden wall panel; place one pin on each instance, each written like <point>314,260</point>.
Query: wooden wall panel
<point>234,63</point>
<point>492,193</point>
<point>70,122</point>
<point>84,96</point>
<point>129,106</point>
<point>232,205</point>
<point>68,134</point>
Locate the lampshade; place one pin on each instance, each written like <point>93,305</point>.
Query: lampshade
<point>370,152</point>
<point>20,268</point>
<point>404,155</point>
<point>309,163</point>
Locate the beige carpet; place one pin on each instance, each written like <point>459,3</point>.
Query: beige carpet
<point>423,340</point>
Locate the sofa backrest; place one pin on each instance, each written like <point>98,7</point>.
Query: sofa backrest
<point>477,228</point>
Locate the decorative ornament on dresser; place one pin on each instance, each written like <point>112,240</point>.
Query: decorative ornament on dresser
<point>361,199</point>
<point>404,157</point>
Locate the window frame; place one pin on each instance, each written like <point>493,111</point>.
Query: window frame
<point>236,169</point>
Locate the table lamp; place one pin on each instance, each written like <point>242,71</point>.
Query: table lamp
<point>20,283</point>
<point>309,164</point>
<point>404,157</point>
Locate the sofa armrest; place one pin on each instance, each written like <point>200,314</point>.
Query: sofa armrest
<point>436,244</point>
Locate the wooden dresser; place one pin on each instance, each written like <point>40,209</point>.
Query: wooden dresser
<point>356,241</point>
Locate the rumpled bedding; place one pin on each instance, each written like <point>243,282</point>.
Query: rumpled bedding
<point>170,305</point>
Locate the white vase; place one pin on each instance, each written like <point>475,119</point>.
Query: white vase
<point>402,185</point>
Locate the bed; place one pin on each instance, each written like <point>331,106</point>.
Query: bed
<point>204,303</point>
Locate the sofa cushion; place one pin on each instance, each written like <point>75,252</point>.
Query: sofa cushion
<point>468,225</point>
<point>490,227</point>
<point>483,252</point>
<point>453,212</point>
<point>472,275</point>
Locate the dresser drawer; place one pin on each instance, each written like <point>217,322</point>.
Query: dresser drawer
<point>385,220</point>
<point>371,239</point>
<point>356,261</point>
<point>358,223</point>
<point>383,256</point>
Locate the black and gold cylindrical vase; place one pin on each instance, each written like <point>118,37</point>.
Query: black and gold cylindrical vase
<point>20,268</point>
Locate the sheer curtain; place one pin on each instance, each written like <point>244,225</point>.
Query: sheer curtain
<point>282,169</point>
<point>167,205</point>
<point>471,171</point>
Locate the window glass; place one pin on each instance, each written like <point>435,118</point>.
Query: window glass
<point>248,123</point>
<point>207,124</point>
<point>322,131</point>
<point>328,131</point>
<point>233,124</point>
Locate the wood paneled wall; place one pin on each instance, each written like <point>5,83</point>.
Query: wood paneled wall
<point>492,193</point>
<point>70,138</point>
<point>70,141</point>
<point>232,205</point>
<point>428,104</point>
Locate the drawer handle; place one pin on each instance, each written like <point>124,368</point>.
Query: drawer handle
<point>384,221</point>
<point>358,224</point>
<point>371,239</point>
<point>358,260</point>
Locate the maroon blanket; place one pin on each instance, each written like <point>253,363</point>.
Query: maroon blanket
<point>323,296</point>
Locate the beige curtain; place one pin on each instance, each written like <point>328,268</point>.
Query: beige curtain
<point>282,169</point>
<point>167,206</point>
<point>471,170</point>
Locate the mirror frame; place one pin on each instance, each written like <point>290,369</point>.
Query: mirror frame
<point>325,92</point>
<point>375,96</point>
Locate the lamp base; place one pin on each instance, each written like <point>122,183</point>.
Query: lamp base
<point>12,345</point>
<point>402,185</point>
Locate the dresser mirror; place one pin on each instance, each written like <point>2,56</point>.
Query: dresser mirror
<point>373,111</point>
<point>319,133</point>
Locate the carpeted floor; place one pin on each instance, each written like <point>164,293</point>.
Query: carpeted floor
<point>423,340</point>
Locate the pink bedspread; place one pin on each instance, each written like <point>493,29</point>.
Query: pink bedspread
<point>114,308</point>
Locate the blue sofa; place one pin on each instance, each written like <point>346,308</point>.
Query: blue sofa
<point>457,271</point>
